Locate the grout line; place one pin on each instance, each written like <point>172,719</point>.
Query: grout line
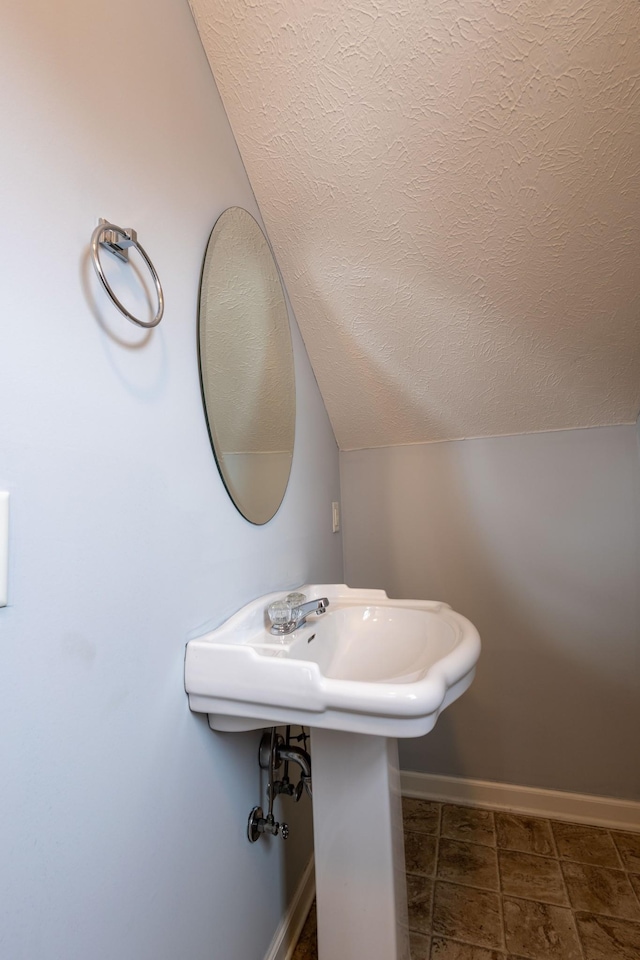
<point>574,922</point>
<point>577,932</point>
<point>468,886</point>
<point>635,892</point>
<point>615,847</point>
<point>553,840</point>
<point>477,946</point>
<point>501,896</point>
<point>525,853</point>
<point>435,875</point>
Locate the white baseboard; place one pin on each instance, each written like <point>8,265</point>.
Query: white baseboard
<point>576,807</point>
<point>290,927</point>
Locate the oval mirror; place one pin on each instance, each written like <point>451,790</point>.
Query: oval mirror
<point>246,365</point>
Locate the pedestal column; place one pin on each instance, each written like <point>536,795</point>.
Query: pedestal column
<point>359,848</point>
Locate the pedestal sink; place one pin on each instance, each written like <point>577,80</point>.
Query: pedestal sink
<point>366,672</point>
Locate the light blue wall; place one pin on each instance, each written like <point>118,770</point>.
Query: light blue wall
<point>122,815</point>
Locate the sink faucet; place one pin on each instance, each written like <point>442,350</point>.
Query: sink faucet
<point>286,616</point>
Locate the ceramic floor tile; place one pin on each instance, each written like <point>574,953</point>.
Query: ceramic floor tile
<point>604,938</point>
<point>453,950</point>
<point>306,950</point>
<point>420,816</point>
<point>307,946</point>
<point>575,841</point>
<point>526,834</point>
<point>420,854</point>
<point>628,845</point>
<point>600,890</point>
<point>463,913</point>
<point>419,897</point>
<point>453,882</point>
<point>472,864</point>
<point>531,877</point>
<point>465,823</point>
<point>540,931</point>
<point>419,946</point>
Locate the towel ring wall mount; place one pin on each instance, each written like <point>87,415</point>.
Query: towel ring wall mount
<point>117,241</point>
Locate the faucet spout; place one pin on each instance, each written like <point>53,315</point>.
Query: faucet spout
<point>312,606</point>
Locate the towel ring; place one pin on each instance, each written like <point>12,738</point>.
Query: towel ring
<point>117,241</point>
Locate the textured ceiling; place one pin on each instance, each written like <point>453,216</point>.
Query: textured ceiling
<point>452,190</point>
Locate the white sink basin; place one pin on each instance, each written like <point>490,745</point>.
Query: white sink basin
<point>368,665</point>
<point>367,671</point>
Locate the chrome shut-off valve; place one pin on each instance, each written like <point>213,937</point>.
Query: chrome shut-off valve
<point>276,750</point>
<point>259,824</point>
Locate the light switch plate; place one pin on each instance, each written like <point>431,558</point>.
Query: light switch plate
<point>335,516</point>
<point>4,546</point>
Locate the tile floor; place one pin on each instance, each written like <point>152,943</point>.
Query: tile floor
<point>485,885</point>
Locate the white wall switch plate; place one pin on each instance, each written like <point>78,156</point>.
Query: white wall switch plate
<point>4,546</point>
<point>335,514</point>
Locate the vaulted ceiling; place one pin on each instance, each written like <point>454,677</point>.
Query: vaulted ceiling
<point>452,191</point>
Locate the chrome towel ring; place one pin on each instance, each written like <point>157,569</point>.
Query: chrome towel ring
<point>117,241</point>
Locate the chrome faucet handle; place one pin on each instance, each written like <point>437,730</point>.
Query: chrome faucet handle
<point>296,598</point>
<point>286,617</point>
<point>281,613</point>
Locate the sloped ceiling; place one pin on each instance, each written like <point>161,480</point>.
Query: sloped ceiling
<point>452,190</point>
